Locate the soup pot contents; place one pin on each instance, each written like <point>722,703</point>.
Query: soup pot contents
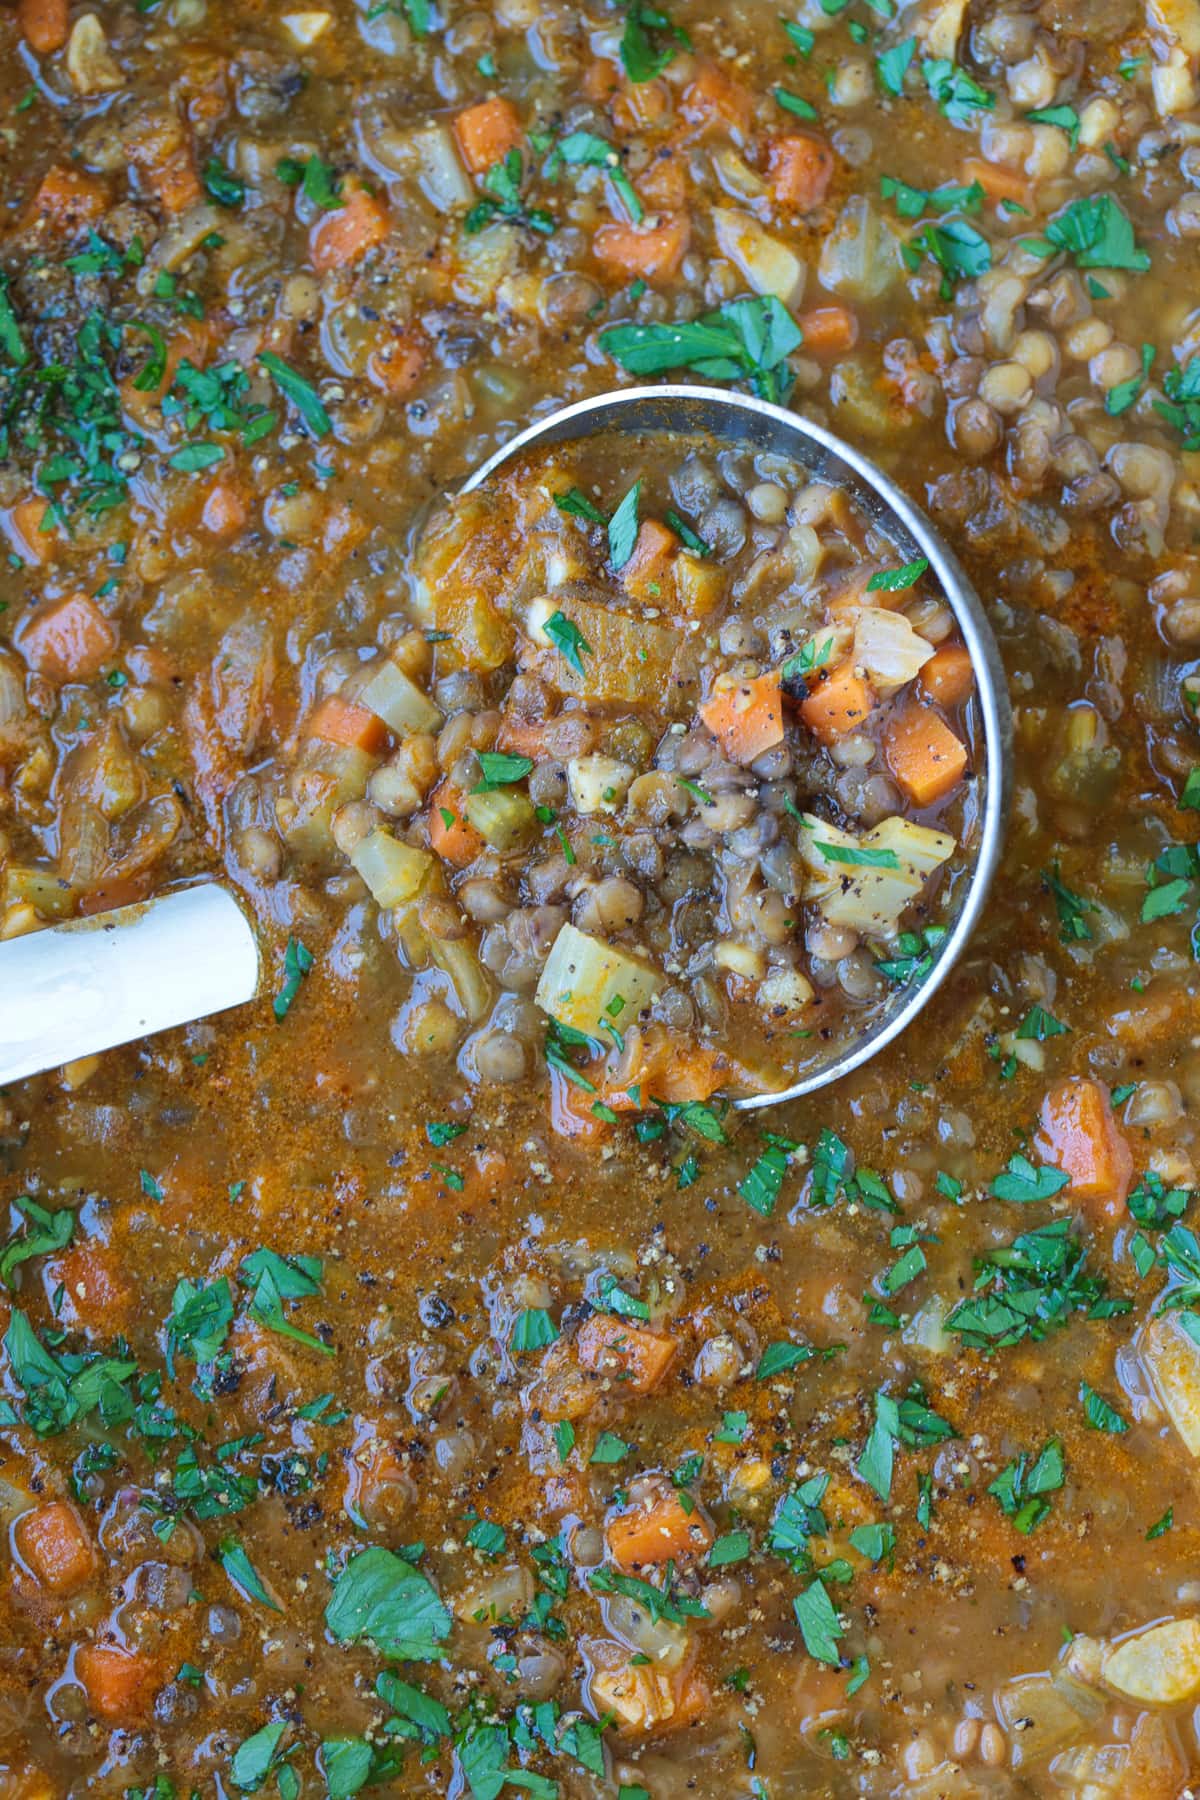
<point>705,810</point>
<point>367,1424</point>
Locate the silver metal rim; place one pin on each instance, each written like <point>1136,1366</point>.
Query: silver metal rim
<point>735,417</point>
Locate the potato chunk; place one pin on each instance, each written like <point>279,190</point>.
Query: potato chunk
<point>1160,1667</point>
<point>588,985</point>
<point>1172,1360</point>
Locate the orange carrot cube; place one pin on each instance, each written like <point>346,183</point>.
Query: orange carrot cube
<point>838,705</point>
<point>44,24</point>
<point>800,170</point>
<point>451,834</point>
<point>663,1532</point>
<point>1080,1136</point>
<point>612,1346</point>
<point>55,1546</point>
<point>924,755</point>
<point>652,252</point>
<point>646,573</point>
<point>746,719</point>
<point>486,133</point>
<point>120,1684</point>
<point>69,640</point>
<point>949,675</point>
<point>343,237</point>
<point>338,721</point>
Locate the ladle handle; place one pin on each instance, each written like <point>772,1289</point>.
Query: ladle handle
<point>88,985</point>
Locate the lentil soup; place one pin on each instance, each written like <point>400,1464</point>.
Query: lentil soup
<point>383,1411</point>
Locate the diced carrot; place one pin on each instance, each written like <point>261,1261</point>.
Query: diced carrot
<point>345,236</point>
<point>486,132</point>
<point>828,330</point>
<point>56,1548</point>
<point>451,834</point>
<point>95,1292</point>
<point>651,252</point>
<point>191,343</point>
<point>693,1700</point>
<point>67,200</point>
<point>659,1533</point>
<point>714,97</point>
<point>645,574</point>
<point>746,719</point>
<point>339,721</point>
<point>664,1069</point>
<point>800,168</point>
<point>44,24</point>
<point>161,149</point>
<point>640,1357</point>
<point>1080,1136</point>
<point>527,737</point>
<point>399,364</point>
<point>120,1683</point>
<point>663,184</point>
<point>176,180</point>
<point>838,705</point>
<point>949,675</point>
<point>999,183</point>
<point>23,528</point>
<point>924,755</point>
<point>69,640</point>
<point>601,79</point>
<point>225,510</point>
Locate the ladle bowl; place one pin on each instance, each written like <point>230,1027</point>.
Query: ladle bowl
<point>79,988</point>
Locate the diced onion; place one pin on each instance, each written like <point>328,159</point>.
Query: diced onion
<point>888,650</point>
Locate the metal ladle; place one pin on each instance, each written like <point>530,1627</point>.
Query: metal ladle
<point>75,989</point>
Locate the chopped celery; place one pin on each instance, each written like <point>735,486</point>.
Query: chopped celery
<point>503,818</point>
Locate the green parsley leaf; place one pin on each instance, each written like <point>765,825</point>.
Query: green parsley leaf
<point>894,581</point>
<point>44,1233</point>
<point>1021,1181</point>
<point>242,1573</point>
<point>893,65</point>
<point>297,961</point>
<point>567,638</point>
<point>744,341</point>
<point>382,1599</point>
<point>576,503</point>
<point>819,1624</point>
<point>1100,1415</point>
<point>760,1186</point>
<point>301,393</point>
<point>609,1448</point>
<point>623,528</point>
<point>533,1329</point>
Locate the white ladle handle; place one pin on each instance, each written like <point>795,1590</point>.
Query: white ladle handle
<point>93,983</point>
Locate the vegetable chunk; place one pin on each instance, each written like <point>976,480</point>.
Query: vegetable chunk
<point>593,987</point>
<point>924,755</point>
<point>1080,1136</point>
<point>1160,1667</point>
<point>54,1543</point>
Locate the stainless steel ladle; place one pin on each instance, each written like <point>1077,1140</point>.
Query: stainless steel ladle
<point>75,989</point>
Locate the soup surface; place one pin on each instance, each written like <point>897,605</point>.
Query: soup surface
<point>369,1423</point>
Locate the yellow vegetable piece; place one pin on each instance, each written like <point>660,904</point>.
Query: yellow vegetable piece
<point>1160,1667</point>
<point>593,987</point>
